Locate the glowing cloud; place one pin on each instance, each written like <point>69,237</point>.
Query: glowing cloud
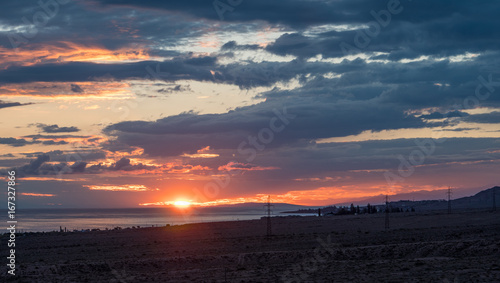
<point>202,153</point>
<point>119,188</point>
<point>244,167</point>
<point>64,51</point>
<point>37,195</point>
<point>85,90</point>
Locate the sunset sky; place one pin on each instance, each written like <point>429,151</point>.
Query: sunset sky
<point>129,103</point>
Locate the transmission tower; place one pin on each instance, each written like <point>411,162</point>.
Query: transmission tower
<point>268,205</point>
<point>386,211</point>
<point>449,200</point>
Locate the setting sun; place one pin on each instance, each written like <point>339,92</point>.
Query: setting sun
<point>182,203</point>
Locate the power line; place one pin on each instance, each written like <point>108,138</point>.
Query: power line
<point>387,212</point>
<point>268,205</point>
<point>449,199</point>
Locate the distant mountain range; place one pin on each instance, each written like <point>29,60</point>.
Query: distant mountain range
<point>422,195</point>
<point>481,200</point>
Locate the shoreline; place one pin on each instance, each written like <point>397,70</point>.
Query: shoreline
<point>261,217</point>
<point>136,227</point>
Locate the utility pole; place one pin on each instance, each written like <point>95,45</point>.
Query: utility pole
<point>449,200</point>
<point>268,205</point>
<point>387,212</point>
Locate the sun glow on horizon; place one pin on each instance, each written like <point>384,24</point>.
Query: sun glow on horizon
<point>182,203</point>
<point>321,196</point>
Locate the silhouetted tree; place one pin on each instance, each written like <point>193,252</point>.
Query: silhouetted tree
<point>342,211</point>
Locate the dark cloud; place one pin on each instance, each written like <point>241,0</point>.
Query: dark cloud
<point>14,142</point>
<point>39,165</point>
<point>76,88</point>
<point>38,136</point>
<point>35,139</point>
<point>461,129</point>
<point>4,104</point>
<point>232,45</point>
<point>33,168</point>
<point>54,142</point>
<point>317,12</point>
<point>302,13</point>
<point>121,165</point>
<point>201,61</point>
<point>7,155</point>
<point>78,167</point>
<point>79,21</point>
<point>338,159</point>
<point>431,28</point>
<point>174,88</point>
<point>298,45</point>
<point>56,129</point>
<point>124,162</point>
<point>23,142</point>
<point>308,119</point>
<point>489,118</point>
<point>82,155</point>
<point>196,69</point>
<point>438,115</point>
<point>446,32</point>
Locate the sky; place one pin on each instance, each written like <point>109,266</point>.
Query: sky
<point>120,103</point>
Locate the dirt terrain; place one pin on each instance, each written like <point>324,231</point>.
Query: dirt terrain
<point>460,247</point>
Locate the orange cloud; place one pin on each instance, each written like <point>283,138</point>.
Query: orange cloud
<point>231,166</point>
<point>186,168</point>
<point>316,197</point>
<point>325,179</point>
<point>36,195</point>
<point>116,155</point>
<point>119,188</point>
<point>59,179</point>
<point>64,51</point>
<point>64,89</point>
<point>202,153</point>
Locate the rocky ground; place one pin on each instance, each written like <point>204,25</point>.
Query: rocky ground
<point>460,247</point>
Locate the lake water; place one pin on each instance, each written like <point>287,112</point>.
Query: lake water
<point>37,220</point>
